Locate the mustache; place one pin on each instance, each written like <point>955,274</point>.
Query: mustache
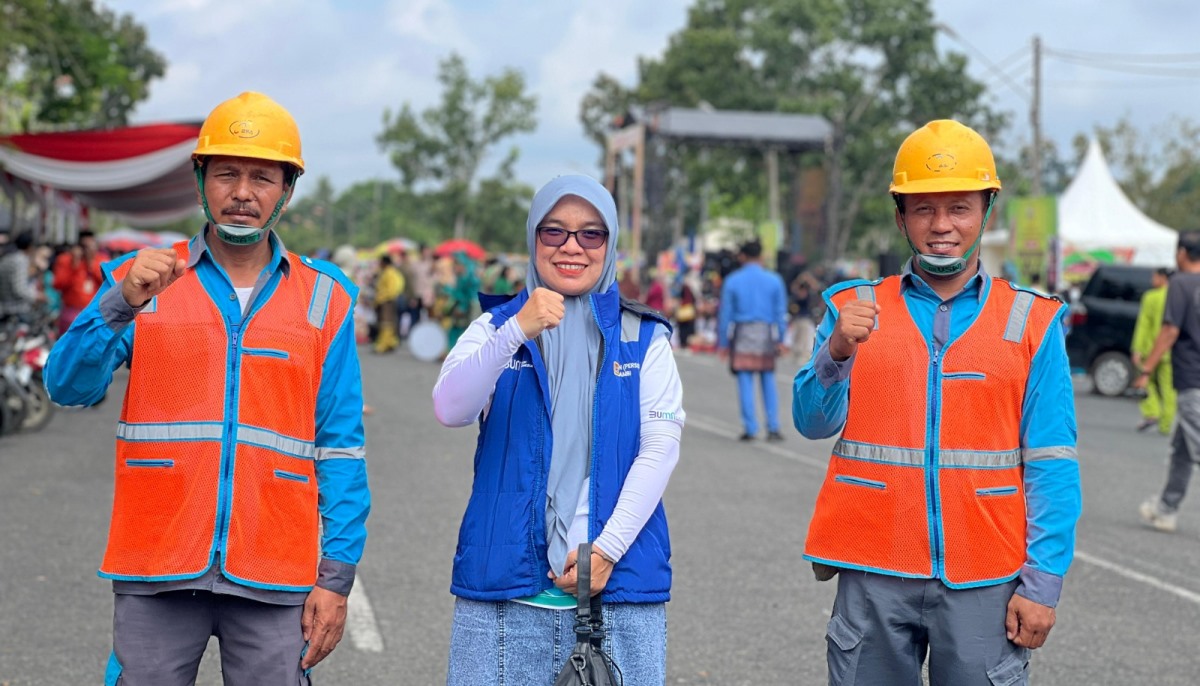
<point>241,208</point>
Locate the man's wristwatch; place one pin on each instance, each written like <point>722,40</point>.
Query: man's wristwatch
<point>1142,371</point>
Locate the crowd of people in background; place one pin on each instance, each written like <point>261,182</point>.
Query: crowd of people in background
<point>45,281</point>
<point>401,288</point>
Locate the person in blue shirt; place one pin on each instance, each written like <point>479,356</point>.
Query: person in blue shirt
<point>240,496</point>
<point>949,508</point>
<point>751,323</point>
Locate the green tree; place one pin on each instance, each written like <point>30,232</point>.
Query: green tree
<point>71,63</point>
<point>446,145</point>
<point>870,67</point>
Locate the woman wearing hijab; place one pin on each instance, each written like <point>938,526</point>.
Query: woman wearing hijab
<point>580,414</point>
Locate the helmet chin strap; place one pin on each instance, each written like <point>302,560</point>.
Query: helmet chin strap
<point>947,265</point>
<point>240,234</point>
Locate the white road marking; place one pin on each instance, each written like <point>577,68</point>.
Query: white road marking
<point>1147,579</point>
<point>716,426</point>
<point>360,621</point>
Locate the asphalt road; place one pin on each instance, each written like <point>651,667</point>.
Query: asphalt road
<point>746,610</point>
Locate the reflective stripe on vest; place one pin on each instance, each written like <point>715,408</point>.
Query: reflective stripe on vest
<point>930,484</point>
<point>216,444</point>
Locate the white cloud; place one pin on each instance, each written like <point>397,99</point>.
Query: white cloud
<point>435,23</point>
<point>338,65</point>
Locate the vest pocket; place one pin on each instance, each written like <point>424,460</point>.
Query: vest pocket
<point>1002,490</point>
<point>149,463</point>
<point>856,481</point>
<point>266,352</point>
<point>291,476</point>
<point>977,376</point>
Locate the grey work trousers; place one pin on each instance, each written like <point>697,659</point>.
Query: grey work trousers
<point>158,640</point>
<point>1185,448</point>
<point>883,627</point>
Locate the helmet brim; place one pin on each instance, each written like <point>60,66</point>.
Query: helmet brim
<point>944,186</point>
<point>249,151</point>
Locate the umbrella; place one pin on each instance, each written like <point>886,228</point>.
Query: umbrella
<point>165,239</point>
<point>125,240</point>
<point>395,246</point>
<point>471,248</point>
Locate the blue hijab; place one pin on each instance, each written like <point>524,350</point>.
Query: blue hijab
<point>571,352</point>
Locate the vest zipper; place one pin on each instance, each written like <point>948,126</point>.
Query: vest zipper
<point>931,443</point>
<point>595,430</point>
<point>225,486</point>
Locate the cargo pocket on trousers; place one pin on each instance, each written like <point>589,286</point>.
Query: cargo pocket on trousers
<point>1012,671</point>
<point>843,651</point>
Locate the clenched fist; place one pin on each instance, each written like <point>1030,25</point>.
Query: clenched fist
<point>855,322</point>
<point>544,310</point>
<point>153,269</point>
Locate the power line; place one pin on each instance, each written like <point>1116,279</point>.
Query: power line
<point>1021,53</point>
<point>1142,58</point>
<point>1016,88</point>
<point>1140,69</point>
<point>1020,67</point>
<point>1068,83</point>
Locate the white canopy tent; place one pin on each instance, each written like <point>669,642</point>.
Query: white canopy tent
<point>1095,215</point>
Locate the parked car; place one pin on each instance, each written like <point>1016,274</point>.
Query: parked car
<point>1102,323</point>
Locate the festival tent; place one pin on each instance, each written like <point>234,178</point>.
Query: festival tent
<point>1098,223</point>
<point>141,173</point>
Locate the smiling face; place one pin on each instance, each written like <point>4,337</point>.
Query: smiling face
<point>243,190</point>
<point>570,269</point>
<point>944,224</point>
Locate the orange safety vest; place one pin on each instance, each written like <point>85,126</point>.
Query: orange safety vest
<point>216,443</point>
<point>926,480</point>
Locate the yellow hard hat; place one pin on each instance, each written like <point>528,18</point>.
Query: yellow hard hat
<point>250,125</point>
<point>944,156</point>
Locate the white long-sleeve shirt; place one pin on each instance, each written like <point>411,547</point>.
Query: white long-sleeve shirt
<point>463,394</point>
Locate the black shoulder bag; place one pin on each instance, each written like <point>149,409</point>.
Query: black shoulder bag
<point>588,665</point>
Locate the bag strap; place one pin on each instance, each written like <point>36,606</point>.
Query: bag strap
<point>589,618</point>
<point>583,587</point>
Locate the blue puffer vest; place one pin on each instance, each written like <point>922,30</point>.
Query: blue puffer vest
<point>501,551</point>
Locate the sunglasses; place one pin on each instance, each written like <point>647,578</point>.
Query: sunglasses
<point>588,239</point>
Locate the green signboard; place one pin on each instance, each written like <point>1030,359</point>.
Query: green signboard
<point>1034,222</point>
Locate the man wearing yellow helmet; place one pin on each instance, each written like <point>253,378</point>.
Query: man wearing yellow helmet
<point>240,493</point>
<point>949,507</point>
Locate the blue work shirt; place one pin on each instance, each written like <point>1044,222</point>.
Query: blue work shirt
<point>751,294</point>
<point>820,400</point>
<point>80,369</point>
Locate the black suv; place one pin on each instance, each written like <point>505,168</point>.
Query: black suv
<point>1102,323</point>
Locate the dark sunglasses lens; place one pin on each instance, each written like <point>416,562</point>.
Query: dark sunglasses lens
<point>552,238</point>
<point>591,239</point>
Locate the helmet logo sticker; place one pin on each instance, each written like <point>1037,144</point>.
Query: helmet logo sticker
<point>941,162</point>
<point>243,129</point>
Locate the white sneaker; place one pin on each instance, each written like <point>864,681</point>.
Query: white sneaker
<point>1154,516</point>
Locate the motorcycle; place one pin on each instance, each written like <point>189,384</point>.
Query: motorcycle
<point>24,403</point>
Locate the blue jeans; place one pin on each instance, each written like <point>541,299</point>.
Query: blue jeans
<point>512,644</point>
<point>746,398</point>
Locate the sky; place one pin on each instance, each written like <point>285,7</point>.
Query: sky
<point>338,65</point>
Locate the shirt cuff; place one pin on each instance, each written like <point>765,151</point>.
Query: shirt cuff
<point>116,312</point>
<point>1041,587</point>
<point>830,371</point>
<point>335,576</point>
<point>611,545</point>
<point>514,333</point>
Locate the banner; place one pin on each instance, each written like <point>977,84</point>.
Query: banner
<point>769,235</point>
<point>1034,223</point>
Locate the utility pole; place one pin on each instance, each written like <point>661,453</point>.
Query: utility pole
<point>1035,116</point>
